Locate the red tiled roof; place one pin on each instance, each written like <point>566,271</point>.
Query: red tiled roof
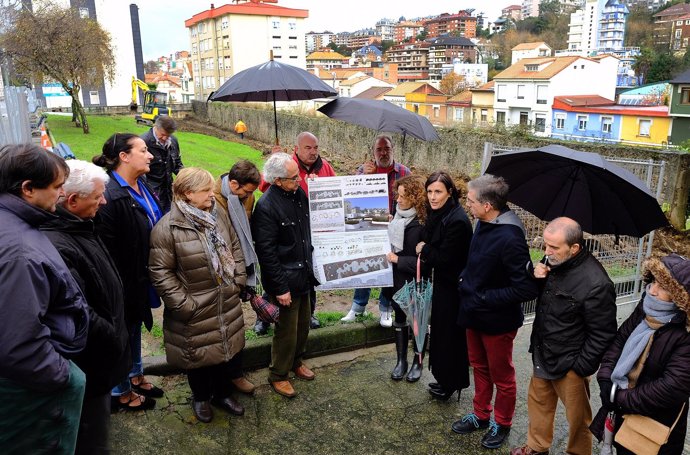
<point>250,8</point>
<point>373,93</point>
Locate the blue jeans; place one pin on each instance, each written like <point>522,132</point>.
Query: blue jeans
<point>137,365</point>
<point>361,298</point>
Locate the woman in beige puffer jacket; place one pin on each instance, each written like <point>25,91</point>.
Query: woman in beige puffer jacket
<point>197,267</point>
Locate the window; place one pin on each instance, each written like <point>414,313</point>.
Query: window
<point>560,121</point>
<point>292,25</point>
<point>606,124</point>
<point>540,123</point>
<point>679,33</point>
<point>679,22</point>
<point>501,118</point>
<point>685,95</point>
<point>541,94</point>
<point>484,115</point>
<point>645,126</point>
<point>582,122</point>
<point>501,93</point>
<point>531,67</point>
<point>224,23</point>
<point>94,98</point>
<point>524,118</point>
<point>458,114</point>
<point>84,14</point>
<point>437,111</point>
<point>227,64</point>
<point>276,25</point>
<point>521,92</point>
<point>687,22</point>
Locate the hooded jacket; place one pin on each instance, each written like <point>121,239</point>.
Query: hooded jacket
<point>202,321</point>
<point>497,278</point>
<point>106,359</point>
<point>44,315</point>
<point>165,163</point>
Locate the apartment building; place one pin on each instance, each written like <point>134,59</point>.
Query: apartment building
<point>462,23</point>
<point>598,26</point>
<point>412,60</point>
<point>234,37</point>
<point>326,59</point>
<point>404,30</point>
<point>444,50</point>
<point>680,33</point>
<point>316,40</point>
<point>530,50</point>
<point>664,21</point>
<point>513,12</point>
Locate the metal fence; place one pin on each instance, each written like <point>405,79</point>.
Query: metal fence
<point>15,126</point>
<point>622,259</point>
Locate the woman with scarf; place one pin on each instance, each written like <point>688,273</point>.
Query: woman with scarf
<point>447,236</point>
<point>197,267</point>
<point>405,232</point>
<point>647,365</point>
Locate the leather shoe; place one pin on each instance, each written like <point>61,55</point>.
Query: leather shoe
<point>442,394</point>
<point>229,404</point>
<point>283,388</point>
<point>526,450</point>
<point>202,411</point>
<point>468,424</point>
<point>303,372</point>
<point>496,436</point>
<point>243,385</point>
<point>435,385</point>
<point>314,323</point>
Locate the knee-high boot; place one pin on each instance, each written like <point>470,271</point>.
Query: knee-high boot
<point>401,341</point>
<point>417,362</point>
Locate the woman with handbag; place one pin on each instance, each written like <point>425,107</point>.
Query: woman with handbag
<point>447,235</point>
<point>405,232</point>
<point>647,366</point>
<point>197,267</point>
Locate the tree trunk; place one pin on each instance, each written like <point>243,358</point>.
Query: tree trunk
<point>78,111</point>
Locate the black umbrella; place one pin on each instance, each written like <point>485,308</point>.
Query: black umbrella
<point>272,81</point>
<point>380,116</point>
<point>555,181</point>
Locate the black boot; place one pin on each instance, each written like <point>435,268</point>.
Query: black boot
<point>401,342</point>
<point>417,363</point>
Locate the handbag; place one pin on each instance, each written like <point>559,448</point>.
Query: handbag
<point>644,435</point>
<point>266,310</point>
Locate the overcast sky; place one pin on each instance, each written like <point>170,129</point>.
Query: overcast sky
<point>163,30</point>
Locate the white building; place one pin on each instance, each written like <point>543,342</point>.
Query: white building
<point>314,41</point>
<point>530,50</point>
<point>475,74</point>
<point>599,26</point>
<point>384,29</point>
<point>524,92</point>
<point>530,8</point>
<point>234,37</point>
<point>356,85</point>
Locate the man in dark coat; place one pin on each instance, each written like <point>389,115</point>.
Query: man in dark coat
<point>105,360</point>
<point>575,323</point>
<point>493,285</point>
<point>166,158</point>
<point>280,227</point>
<point>44,319</point>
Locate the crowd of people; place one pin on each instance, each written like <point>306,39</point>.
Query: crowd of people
<point>88,249</point>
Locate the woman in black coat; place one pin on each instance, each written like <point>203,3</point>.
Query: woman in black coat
<point>658,386</point>
<point>447,236</point>
<point>405,232</point>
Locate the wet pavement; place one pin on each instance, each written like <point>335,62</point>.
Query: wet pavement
<point>352,407</point>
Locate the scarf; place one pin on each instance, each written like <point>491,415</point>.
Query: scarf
<point>435,217</point>
<point>629,366</point>
<point>219,252</point>
<point>396,228</point>
<point>238,218</point>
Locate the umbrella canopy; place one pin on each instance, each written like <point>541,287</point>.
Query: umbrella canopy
<point>270,82</point>
<point>555,181</point>
<point>414,298</point>
<point>380,116</point>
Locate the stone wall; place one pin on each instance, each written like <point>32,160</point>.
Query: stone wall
<point>460,149</point>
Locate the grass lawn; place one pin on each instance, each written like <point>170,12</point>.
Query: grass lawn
<point>207,152</point>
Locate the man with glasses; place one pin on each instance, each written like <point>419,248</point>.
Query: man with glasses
<point>282,237</point>
<point>166,158</point>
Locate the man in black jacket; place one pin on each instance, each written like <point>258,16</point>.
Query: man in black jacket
<point>282,237</point>
<point>166,158</point>
<point>105,360</point>
<point>574,325</point>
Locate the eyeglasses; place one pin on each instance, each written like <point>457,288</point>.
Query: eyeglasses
<point>296,178</point>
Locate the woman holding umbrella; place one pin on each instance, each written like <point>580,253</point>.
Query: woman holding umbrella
<point>647,365</point>
<point>447,236</point>
<point>405,232</point>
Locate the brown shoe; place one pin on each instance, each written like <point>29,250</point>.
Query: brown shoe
<point>243,385</point>
<point>283,388</point>
<point>526,450</point>
<point>303,372</point>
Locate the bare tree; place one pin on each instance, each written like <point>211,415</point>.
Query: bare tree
<point>55,43</point>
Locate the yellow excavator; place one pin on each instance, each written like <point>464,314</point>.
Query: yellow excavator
<point>155,103</point>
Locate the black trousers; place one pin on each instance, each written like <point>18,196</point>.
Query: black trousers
<point>213,381</point>
<point>92,438</point>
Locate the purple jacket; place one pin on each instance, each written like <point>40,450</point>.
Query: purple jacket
<point>44,314</point>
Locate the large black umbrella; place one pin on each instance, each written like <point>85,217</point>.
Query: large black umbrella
<point>272,81</point>
<point>380,116</point>
<point>555,181</point>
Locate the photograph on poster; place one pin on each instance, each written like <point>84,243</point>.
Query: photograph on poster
<point>366,213</point>
<point>352,267</point>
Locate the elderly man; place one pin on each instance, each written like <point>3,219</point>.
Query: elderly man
<point>44,319</point>
<point>383,163</point>
<point>280,226</point>
<point>234,192</point>
<point>106,359</point>
<point>574,325</point>
<point>493,285</point>
<point>166,158</point>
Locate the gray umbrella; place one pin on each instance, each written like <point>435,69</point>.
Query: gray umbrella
<point>272,81</point>
<point>380,116</point>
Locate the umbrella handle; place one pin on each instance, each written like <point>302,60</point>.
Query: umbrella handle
<point>419,268</point>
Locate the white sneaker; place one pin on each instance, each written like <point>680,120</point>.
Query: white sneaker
<point>386,319</point>
<point>350,316</point>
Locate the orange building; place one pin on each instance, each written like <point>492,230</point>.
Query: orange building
<point>462,23</point>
